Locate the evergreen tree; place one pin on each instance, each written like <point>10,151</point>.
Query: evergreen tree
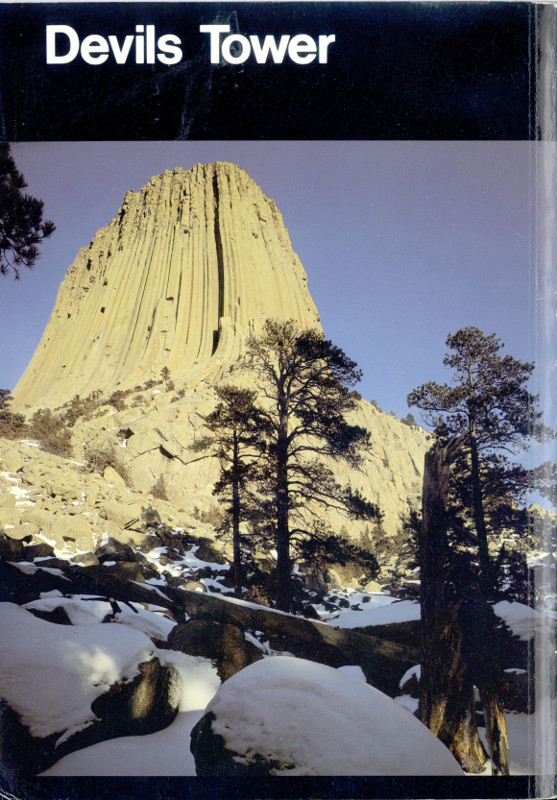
<point>490,409</point>
<point>237,429</point>
<point>304,384</point>
<point>22,226</point>
<point>12,424</point>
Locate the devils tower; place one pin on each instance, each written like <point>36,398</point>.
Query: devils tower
<point>191,265</point>
<point>176,279</point>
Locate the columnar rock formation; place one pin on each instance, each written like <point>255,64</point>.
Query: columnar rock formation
<point>192,263</point>
<point>176,279</point>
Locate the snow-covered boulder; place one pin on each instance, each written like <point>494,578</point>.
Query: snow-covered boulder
<point>287,716</point>
<point>165,752</point>
<point>63,687</point>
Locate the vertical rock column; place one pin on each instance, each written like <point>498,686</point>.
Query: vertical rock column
<point>192,262</point>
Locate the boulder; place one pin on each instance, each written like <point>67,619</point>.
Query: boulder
<point>18,532</point>
<point>223,643</point>
<point>9,516</point>
<point>74,527</point>
<point>11,549</point>
<point>206,551</point>
<point>109,683</point>
<point>57,615</point>
<point>114,478</point>
<point>85,559</point>
<point>122,513</point>
<point>382,661</point>
<point>39,550</point>
<point>114,550</point>
<point>287,716</point>
<point>7,500</point>
<point>128,570</point>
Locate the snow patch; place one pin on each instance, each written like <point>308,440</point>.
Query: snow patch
<point>385,614</point>
<point>413,672</point>
<point>523,620</point>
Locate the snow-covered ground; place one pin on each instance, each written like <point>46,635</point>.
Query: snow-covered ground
<point>523,620</point>
<point>187,566</point>
<point>387,612</point>
<point>89,610</point>
<point>521,730</point>
<point>52,673</point>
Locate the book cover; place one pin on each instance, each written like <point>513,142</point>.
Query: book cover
<point>277,467</point>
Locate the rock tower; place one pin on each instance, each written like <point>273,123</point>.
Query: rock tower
<point>191,263</point>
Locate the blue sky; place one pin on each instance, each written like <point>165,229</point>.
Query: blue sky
<point>402,242</point>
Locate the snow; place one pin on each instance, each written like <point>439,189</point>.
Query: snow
<point>8,476</point>
<point>374,614</point>
<point>50,674</point>
<point>354,670</point>
<point>164,753</point>
<point>85,610</point>
<point>20,494</point>
<point>186,566</point>
<point>315,720</point>
<point>354,597</point>
<point>521,730</point>
<point>523,620</point>
<point>413,672</point>
<point>30,569</point>
<point>409,703</point>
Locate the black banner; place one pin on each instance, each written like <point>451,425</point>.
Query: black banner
<point>393,71</point>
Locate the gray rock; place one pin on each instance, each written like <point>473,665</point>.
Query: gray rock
<point>85,559</point>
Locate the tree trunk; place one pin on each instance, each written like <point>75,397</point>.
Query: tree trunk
<point>486,567</point>
<point>485,647</point>
<point>236,553</point>
<point>283,572</point>
<point>496,731</point>
<point>447,692</point>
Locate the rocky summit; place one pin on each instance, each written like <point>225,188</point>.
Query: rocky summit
<point>189,265</point>
<point>151,316</point>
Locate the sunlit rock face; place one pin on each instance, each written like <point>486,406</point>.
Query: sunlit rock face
<point>190,263</point>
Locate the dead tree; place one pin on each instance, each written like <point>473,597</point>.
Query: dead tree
<point>458,634</point>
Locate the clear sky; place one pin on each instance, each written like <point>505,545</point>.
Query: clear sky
<point>402,242</point>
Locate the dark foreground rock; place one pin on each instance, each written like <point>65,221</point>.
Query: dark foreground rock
<point>139,707</point>
<point>223,643</point>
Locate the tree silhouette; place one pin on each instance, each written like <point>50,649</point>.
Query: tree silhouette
<point>22,227</point>
<point>489,406</point>
<point>237,433</point>
<point>304,381</point>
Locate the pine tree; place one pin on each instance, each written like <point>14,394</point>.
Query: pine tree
<point>489,407</point>
<point>237,429</point>
<point>12,424</point>
<point>22,227</point>
<point>304,385</point>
